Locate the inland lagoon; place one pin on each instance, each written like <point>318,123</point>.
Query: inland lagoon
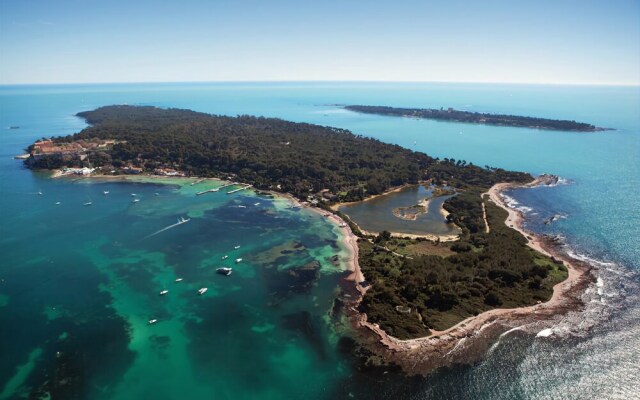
<point>386,212</point>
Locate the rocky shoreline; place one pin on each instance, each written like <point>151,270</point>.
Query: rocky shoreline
<point>468,341</point>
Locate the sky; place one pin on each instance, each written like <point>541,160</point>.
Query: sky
<point>92,41</point>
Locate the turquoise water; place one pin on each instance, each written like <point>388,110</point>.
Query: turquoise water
<point>78,284</point>
<point>376,215</point>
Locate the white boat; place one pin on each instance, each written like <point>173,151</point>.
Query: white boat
<point>156,194</point>
<point>225,257</point>
<point>133,195</point>
<point>88,203</point>
<point>202,290</point>
<point>106,192</point>
<point>152,321</point>
<point>256,204</point>
<point>178,279</point>
<point>242,206</point>
<point>183,220</point>
<point>40,193</point>
<point>224,271</point>
<point>238,260</point>
<point>58,203</point>
<point>237,247</point>
<point>162,293</point>
<point>136,200</point>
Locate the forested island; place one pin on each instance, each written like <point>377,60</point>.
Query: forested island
<point>414,286</point>
<point>453,115</point>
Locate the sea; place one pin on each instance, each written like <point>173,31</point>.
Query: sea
<point>80,283</point>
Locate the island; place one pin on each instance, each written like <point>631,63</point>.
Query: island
<point>453,115</point>
<point>406,288</point>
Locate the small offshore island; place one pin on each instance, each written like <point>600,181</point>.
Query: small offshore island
<point>454,115</point>
<point>417,299</point>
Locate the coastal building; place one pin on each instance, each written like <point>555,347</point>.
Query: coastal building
<point>79,171</point>
<point>168,172</point>
<point>78,148</point>
<point>132,170</point>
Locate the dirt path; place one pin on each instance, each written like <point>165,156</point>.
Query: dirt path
<point>484,214</point>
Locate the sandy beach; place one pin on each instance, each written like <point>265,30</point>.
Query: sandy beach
<point>443,348</point>
<point>440,348</point>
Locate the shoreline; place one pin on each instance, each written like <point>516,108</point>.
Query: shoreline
<point>425,354</point>
<point>349,239</point>
<point>475,334</point>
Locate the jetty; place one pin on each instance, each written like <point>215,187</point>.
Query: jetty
<point>239,189</point>
<point>216,189</point>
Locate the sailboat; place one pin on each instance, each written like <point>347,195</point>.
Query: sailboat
<point>183,220</point>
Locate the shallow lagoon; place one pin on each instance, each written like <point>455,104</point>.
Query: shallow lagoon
<point>376,215</point>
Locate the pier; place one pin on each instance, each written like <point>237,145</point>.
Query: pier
<point>216,189</point>
<point>237,190</point>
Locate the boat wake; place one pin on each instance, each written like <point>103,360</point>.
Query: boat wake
<point>180,222</point>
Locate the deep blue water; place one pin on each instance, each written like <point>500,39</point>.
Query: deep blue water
<point>66,255</point>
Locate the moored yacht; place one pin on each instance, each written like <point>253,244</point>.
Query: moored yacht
<point>88,203</point>
<point>237,247</point>
<point>162,293</point>
<point>106,192</point>
<point>238,260</point>
<point>225,257</point>
<point>202,290</point>
<point>224,271</point>
<point>152,321</point>
<point>178,279</point>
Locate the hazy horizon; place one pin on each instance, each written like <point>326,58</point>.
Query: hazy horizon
<point>309,81</point>
<point>567,43</point>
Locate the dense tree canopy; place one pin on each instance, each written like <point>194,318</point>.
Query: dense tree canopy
<point>266,152</point>
<point>409,296</point>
